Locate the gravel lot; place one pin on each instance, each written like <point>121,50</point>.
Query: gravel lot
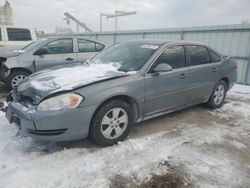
<point>200,146</point>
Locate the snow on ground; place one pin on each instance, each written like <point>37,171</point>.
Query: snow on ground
<point>211,154</point>
<point>242,91</point>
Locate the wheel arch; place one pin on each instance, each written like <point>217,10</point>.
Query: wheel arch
<point>15,69</point>
<point>128,99</point>
<point>226,80</point>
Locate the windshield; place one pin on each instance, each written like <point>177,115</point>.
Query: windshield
<point>129,56</point>
<point>31,46</point>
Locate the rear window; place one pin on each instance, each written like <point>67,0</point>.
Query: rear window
<point>198,55</point>
<point>17,34</point>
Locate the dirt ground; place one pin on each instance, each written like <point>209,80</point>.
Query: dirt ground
<point>199,115</point>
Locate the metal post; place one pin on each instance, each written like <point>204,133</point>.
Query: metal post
<point>247,74</point>
<point>182,34</point>
<point>143,35</point>
<point>115,20</point>
<point>100,22</point>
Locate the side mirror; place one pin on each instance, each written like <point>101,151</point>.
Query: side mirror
<point>41,51</point>
<point>163,67</point>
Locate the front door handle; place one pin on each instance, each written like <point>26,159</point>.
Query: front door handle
<point>69,59</point>
<point>214,69</point>
<point>183,75</point>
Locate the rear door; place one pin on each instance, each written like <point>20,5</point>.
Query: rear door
<point>166,91</point>
<point>201,72</point>
<point>58,52</point>
<point>87,49</point>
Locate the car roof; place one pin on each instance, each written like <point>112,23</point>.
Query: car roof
<point>166,41</point>
<point>70,36</point>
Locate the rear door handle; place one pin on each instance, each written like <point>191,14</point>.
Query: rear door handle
<point>183,75</point>
<point>69,59</point>
<point>214,69</point>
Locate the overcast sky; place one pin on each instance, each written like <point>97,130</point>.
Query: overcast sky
<point>48,14</point>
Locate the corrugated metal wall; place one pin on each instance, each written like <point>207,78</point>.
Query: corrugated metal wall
<point>230,40</point>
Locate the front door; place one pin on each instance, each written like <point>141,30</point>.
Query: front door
<point>56,53</point>
<point>168,90</point>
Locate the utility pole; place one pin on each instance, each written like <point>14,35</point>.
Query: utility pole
<point>116,15</point>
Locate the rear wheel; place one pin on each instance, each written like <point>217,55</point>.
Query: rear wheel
<point>218,96</point>
<point>15,78</point>
<point>111,123</point>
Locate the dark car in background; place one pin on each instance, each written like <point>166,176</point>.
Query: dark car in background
<point>127,83</point>
<point>43,54</point>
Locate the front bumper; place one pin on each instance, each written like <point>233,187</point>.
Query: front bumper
<point>61,125</point>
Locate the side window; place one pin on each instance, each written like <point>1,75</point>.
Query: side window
<point>214,56</point>
<point>99,47</point>
<point>17,34</point>
<point>61,46</point>
<point>198,55</point>
<point>86,46</point>
<point>174,56</point>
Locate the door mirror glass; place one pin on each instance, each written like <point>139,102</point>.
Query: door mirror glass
<point>42,51</point>
<point>163,67</point>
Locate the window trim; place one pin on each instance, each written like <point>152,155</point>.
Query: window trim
<point>54,41</point>
<point>185,53</point>
<point>188,55</point>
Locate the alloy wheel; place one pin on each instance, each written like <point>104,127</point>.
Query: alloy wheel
<point>114,123</point>
<point>219,94</point>
<point>17,79</point>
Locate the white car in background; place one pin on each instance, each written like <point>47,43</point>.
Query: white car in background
<point>15,38</point>
<point>46,53</point>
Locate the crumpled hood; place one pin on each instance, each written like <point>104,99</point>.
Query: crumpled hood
<point>44,83</point>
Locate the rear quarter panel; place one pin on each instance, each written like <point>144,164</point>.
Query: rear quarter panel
<point>229,71</point>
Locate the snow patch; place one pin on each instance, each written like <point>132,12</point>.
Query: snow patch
<point>71,77</point>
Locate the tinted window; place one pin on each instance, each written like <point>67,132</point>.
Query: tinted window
<point>174,56</point>
<point>60,46</point>
<point>198,55</point>
<point>214,56</point>
<point>16,34</point>
<point>86,46</point>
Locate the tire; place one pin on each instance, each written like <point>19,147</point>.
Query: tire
<point>9,98</point>
<point>110,126</point>
<point>15,77</point>
<point>218,96</point>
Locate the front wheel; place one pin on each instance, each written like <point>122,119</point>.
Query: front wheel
<point>15,78</point>
<point>218,96</point>
<point>111,123</point>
